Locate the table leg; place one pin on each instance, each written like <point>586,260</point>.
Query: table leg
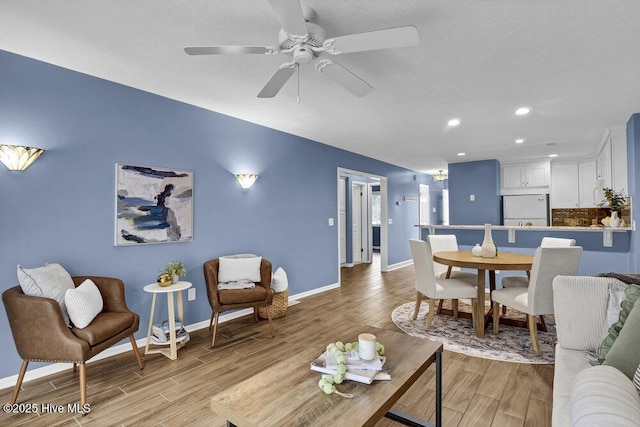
<point>153,309</point>
<point>180,307</point>
<point>480,305</point>
<point>408,419</point>
<point>172,326</point>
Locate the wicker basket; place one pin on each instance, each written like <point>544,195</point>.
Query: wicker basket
<point>278,306</point>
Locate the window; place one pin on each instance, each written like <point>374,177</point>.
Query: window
<point>376,208</point>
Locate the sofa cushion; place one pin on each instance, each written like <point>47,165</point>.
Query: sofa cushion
<point>235,269</point>
<point>604,396</point>
<point>49,281</point>
<point>107,325</point>
<point>625,351</point>
<point>632,293</point>
<point>242,296</point>
<point>567,365</point>
<point>84,303</point>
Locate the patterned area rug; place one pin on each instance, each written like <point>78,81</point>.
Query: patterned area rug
<point>512,344</point>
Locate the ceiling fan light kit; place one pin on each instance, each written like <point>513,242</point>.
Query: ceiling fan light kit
<point>306,42</point>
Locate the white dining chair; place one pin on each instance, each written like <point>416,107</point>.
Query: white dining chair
<point>427,285</point>
<point>537,298</point>
<point>547,242</point>
<point>448,242</point>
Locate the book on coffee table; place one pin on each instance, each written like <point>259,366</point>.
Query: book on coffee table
<point>366,376</point>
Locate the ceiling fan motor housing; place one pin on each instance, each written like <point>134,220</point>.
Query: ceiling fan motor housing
<point>301,53</point>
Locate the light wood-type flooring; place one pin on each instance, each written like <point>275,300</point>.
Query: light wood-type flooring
<point>476,392</point>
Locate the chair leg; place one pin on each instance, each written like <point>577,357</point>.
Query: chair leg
<point>432,309</point>
<point>273,334</point>
<point>215,329</point>
<point>504,309</point>
<point>83,383</point>
<point>533,330</point>
<point>211,321</point>
<point>255,314</point>
<point>496,317</point>
<point>75,367</point>
<point>136,352</point>
<point>544,325</point>
<point>454,303</point>
<point>418,300</point>
<point>439,306</point>
<point>474,304</point>
<point>16,391</point>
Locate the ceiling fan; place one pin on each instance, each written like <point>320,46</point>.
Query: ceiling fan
<point>305,42</point>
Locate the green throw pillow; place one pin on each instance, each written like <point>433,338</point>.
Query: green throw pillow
<point>632,293</point>
<point>624,354</point>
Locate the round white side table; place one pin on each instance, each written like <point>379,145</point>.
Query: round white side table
<point>176,288</point>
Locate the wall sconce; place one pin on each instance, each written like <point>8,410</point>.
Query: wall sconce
<point>246,180</point>
<point>18,158</point>
<point>440,175</point>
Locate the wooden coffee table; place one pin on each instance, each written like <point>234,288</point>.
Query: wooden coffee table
<point>287,393</point>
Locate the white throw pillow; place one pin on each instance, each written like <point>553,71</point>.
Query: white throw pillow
<point>636,379</point>
<point>84,303</point>
<point>49,281</point>
<point>279,282</point>
<point>236,269</point>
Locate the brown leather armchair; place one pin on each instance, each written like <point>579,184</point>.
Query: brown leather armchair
<point>233,299</point>
<point>41,334</point>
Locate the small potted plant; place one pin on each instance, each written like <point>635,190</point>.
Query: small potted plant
<point>615,200</point>
<point>175,269</point>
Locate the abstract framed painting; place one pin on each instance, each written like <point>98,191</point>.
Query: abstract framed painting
<point>153,205</point>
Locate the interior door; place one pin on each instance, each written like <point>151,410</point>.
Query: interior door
<point>356,221</point>
<point>342,219</point>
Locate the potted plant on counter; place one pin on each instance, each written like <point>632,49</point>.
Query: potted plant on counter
<point>615,200</point>
<point>175,269</point>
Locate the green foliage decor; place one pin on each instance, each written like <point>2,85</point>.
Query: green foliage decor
<point>614,198</point>
<point>174,268</point>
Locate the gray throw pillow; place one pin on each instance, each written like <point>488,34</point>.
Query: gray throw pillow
<point>50,281</point>
<point>632,294</point>
<point>624,354</point>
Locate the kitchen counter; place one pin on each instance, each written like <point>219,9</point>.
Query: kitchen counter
<point>607,232</point>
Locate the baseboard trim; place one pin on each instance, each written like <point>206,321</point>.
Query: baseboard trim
<point>54,368</point>
<point>399,265</point>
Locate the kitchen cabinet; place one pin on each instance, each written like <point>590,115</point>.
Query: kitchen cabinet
<point>535,175</point>
<point>612,160</point>
<point>574,185</point>
<point>565,192</point>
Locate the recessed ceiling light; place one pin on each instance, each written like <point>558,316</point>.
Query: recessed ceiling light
<point>461,154</point>
<point>453,122</point>
<point>522,111</point>
<point>553,155</point>
<point>519,140</point>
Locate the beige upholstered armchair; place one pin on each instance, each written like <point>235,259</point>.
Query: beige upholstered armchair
<point>41,333</point>
<point>232,299</point>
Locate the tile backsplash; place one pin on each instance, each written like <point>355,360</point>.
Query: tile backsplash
<point>585,217</point>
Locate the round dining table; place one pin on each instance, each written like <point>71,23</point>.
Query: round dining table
<point>503,261</point>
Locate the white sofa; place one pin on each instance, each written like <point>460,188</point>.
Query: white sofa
<point>586,395</point>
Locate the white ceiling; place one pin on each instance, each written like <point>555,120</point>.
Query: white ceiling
<point>576,63</point>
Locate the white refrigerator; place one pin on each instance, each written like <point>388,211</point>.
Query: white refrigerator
<point>530,209</point>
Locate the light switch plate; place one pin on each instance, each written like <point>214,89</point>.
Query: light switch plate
<point>390,221</point>
<point>472,197</point>
<point>512,235</point>
<point>330,222</point>
<point>191,294</point>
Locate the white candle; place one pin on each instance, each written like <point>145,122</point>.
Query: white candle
<point>366,346</point>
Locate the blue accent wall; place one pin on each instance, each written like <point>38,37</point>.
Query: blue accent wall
<point>62,208</point>
<point>482,179</point>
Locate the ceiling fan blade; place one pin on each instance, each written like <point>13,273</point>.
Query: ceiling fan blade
<point>380,39</point>
<point>289,13</point>
<point>228,50</point>
<point>276,82</point>
<point>344,78</point>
